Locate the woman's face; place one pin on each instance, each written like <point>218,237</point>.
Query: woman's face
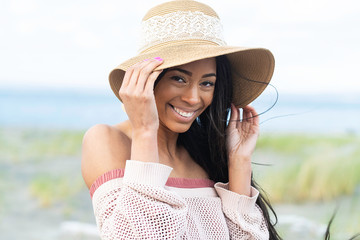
<point>184,92</point>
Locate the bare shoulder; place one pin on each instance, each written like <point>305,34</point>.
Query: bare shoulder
<point>104,148</point>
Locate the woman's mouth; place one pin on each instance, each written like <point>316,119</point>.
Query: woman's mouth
<point>182,112</point>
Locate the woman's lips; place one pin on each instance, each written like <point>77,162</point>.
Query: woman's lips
<point>183,113</point>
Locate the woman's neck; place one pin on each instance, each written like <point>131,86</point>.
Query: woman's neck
<point>177,157</point>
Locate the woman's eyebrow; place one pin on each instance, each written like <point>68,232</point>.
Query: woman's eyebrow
<point>181,70</point>
<point>190,73</point>
<point>209,75</point>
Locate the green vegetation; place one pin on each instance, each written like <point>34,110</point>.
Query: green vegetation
<point>304,167</point>
<point>317,173</point>
<point>308,167</point>
<point>44,162</point>
<point>20,145</point>
<point>312,174</point>
<point>49,189</point>
<point>2,193</point>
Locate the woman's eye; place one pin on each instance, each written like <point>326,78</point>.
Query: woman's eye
<point>208,84</point>
<point>178,79</point>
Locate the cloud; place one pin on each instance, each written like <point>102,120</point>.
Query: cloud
<point>88,40</point>
<point>314,42</point>
<point>21,7</point>
<point>316,79</point>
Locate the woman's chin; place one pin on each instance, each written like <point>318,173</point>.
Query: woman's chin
<point>178,127</point>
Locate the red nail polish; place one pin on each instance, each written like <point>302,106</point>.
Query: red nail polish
<point>158,58</point>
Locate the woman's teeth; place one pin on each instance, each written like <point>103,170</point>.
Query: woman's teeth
<point>182,113</point>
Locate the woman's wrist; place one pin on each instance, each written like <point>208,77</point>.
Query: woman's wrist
<point>239,162</point>
<point>144,146</point>
<point>240,177</point>
<point>144,133</point>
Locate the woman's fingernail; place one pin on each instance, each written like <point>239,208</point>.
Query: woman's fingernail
<point>158,58</point>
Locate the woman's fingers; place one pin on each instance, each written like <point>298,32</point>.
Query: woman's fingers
<point>149,86</point>
<point>137,76</point>
<point>143,71</point>
<point>128,75</point>
<point>147,70</point>
<point>250,115</point>
<point>247,116</point>
<point>234,116</point>
<point>139,102</point>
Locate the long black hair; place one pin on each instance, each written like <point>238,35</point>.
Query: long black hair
<point>205,140</point>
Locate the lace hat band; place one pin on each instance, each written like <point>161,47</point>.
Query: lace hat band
<point>178,26</point>
<point>183,31</point>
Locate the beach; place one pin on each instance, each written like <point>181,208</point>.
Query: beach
<point>307,174</point>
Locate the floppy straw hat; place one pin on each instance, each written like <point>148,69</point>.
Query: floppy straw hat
<point>184,31</point>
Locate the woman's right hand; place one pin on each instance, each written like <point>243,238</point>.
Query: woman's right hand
<point>137,95</point>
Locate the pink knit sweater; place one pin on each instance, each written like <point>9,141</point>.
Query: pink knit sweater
<point>142,202</point>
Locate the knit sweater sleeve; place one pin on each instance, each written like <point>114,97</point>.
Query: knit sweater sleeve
<point>138,206</point>
<point>243,216</point>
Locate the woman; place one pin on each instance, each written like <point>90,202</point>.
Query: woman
<point>176,169</point>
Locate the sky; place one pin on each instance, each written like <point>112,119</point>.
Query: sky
<point>75,44</point>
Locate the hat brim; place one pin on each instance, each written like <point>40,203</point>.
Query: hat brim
<point>252,68</point>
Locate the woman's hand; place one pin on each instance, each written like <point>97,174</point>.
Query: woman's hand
<point>240,142</point>
<point>137,95</point>
<point>242,135</point>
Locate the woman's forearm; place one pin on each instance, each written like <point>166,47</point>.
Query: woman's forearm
<point>240,177</point>
<point>144,146</point>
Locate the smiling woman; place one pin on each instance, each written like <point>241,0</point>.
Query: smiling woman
<point>184,92</point>
<point>176,169</point>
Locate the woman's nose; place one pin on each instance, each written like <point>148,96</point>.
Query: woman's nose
<point>191,95</point>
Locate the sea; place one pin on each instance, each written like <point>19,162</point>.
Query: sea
<point>79,110</point>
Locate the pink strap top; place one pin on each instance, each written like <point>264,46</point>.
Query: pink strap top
<point>171,182</point>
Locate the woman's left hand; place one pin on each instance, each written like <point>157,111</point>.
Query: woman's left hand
<point>240,142</point>
<point>242,135</point>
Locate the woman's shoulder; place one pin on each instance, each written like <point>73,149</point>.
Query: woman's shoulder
<point>105,148</point>
<point>122,129</point>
